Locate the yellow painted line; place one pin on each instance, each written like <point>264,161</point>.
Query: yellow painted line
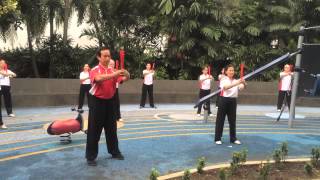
<point>143,137</point>
<point>29,130</point>
<point>154,131</point>
<point>141,120</point>
<point>196,125</point>
<point>24,147</point>
<point>34,132</point>
<point>20,127</point>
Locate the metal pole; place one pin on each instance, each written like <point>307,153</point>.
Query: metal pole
<point>296,80</point>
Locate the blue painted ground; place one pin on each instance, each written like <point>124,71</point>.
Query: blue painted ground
<point>170,138</point>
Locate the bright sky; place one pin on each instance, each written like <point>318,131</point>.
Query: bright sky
<point>74,32</point>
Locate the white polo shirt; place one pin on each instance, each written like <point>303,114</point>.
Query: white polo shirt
<point>84,75</point>
<point>5,80</point>
<point>285,82</point>
<point>148,79</point>
<point>232,92</point>
<point>206,84</point>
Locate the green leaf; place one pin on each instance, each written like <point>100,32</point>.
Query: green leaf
<point>187,45</point>
<point>166,6</point>
<point>195,8</point>
<point>279,10</point>
<point>278,27</point>
<point>252,30</point>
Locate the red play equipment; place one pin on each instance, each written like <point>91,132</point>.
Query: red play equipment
<point>65,128</point>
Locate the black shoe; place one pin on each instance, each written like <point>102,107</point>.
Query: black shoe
<point>92,163</point>
<point>141,107</point>
<point>153,107</point>
<point>118,156</point>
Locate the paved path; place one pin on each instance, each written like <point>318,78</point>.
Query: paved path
<point>170,138</point>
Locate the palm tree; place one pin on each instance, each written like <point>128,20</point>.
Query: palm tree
<point>67,10</point>
<point>33,14</point>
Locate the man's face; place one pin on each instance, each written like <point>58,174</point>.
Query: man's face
<point>105,57</point>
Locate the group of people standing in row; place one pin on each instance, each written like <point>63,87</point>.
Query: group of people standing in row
<point>5,91</point>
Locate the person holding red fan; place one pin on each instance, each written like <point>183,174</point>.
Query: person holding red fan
<point>147,86</point>
<point>6,86</point>
<point>285,83</point>
<point>228,105</point>
<point>205,87</point>
<point>85,85</point>
<point>102,106</point>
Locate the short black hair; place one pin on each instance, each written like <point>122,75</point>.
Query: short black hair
<point>98,53</point>
<point>227,67</point>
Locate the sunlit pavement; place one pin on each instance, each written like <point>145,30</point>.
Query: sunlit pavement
<point>169,138</point>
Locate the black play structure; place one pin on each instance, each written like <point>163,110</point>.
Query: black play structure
<point>308,67</point>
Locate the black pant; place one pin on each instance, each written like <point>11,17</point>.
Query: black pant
<point>227,106</point>
<point>84,90</point>
<point>1,122</point>
<point>117,106</point>
<point>203,93</point>
<point>281,96</point>
<point>5,91</point>
<point>217,100</point>
<point>147,89</point>
<point>101,116</point>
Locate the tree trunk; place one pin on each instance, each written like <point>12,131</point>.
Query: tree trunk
<point>34,63</point>
<point>51,17</point>
<point>67,12</point>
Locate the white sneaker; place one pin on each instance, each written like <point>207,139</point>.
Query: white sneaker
<point>218,142</point>
<point>11,115</point>
<point>211,115</point>
<point>278,110</point>
<point>237,142</point>
<point>3,127</point>
<point>198,115</point>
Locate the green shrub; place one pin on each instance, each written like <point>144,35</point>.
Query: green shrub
<point>186,175</point>
<point>154,174</point>
<point>281,154</point>
<point>308,169</point>
<point>315,156</point>
<point>222,174</point>
<point>238,158</point>
<point>277,156</point>
<point>264,170</point>
<point>284,151</point>
<point>201,165</point>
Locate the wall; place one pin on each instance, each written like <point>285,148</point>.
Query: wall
<point>53,92</point>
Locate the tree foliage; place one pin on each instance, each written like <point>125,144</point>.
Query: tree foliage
<point>180,36</point>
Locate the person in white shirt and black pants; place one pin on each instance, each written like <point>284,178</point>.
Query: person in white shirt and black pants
<point>147,86</point>
<point>205,86</point>
<point>285,86</point>
<point>85,85</point>
<point>6,74</point>
<point>228,105</point>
